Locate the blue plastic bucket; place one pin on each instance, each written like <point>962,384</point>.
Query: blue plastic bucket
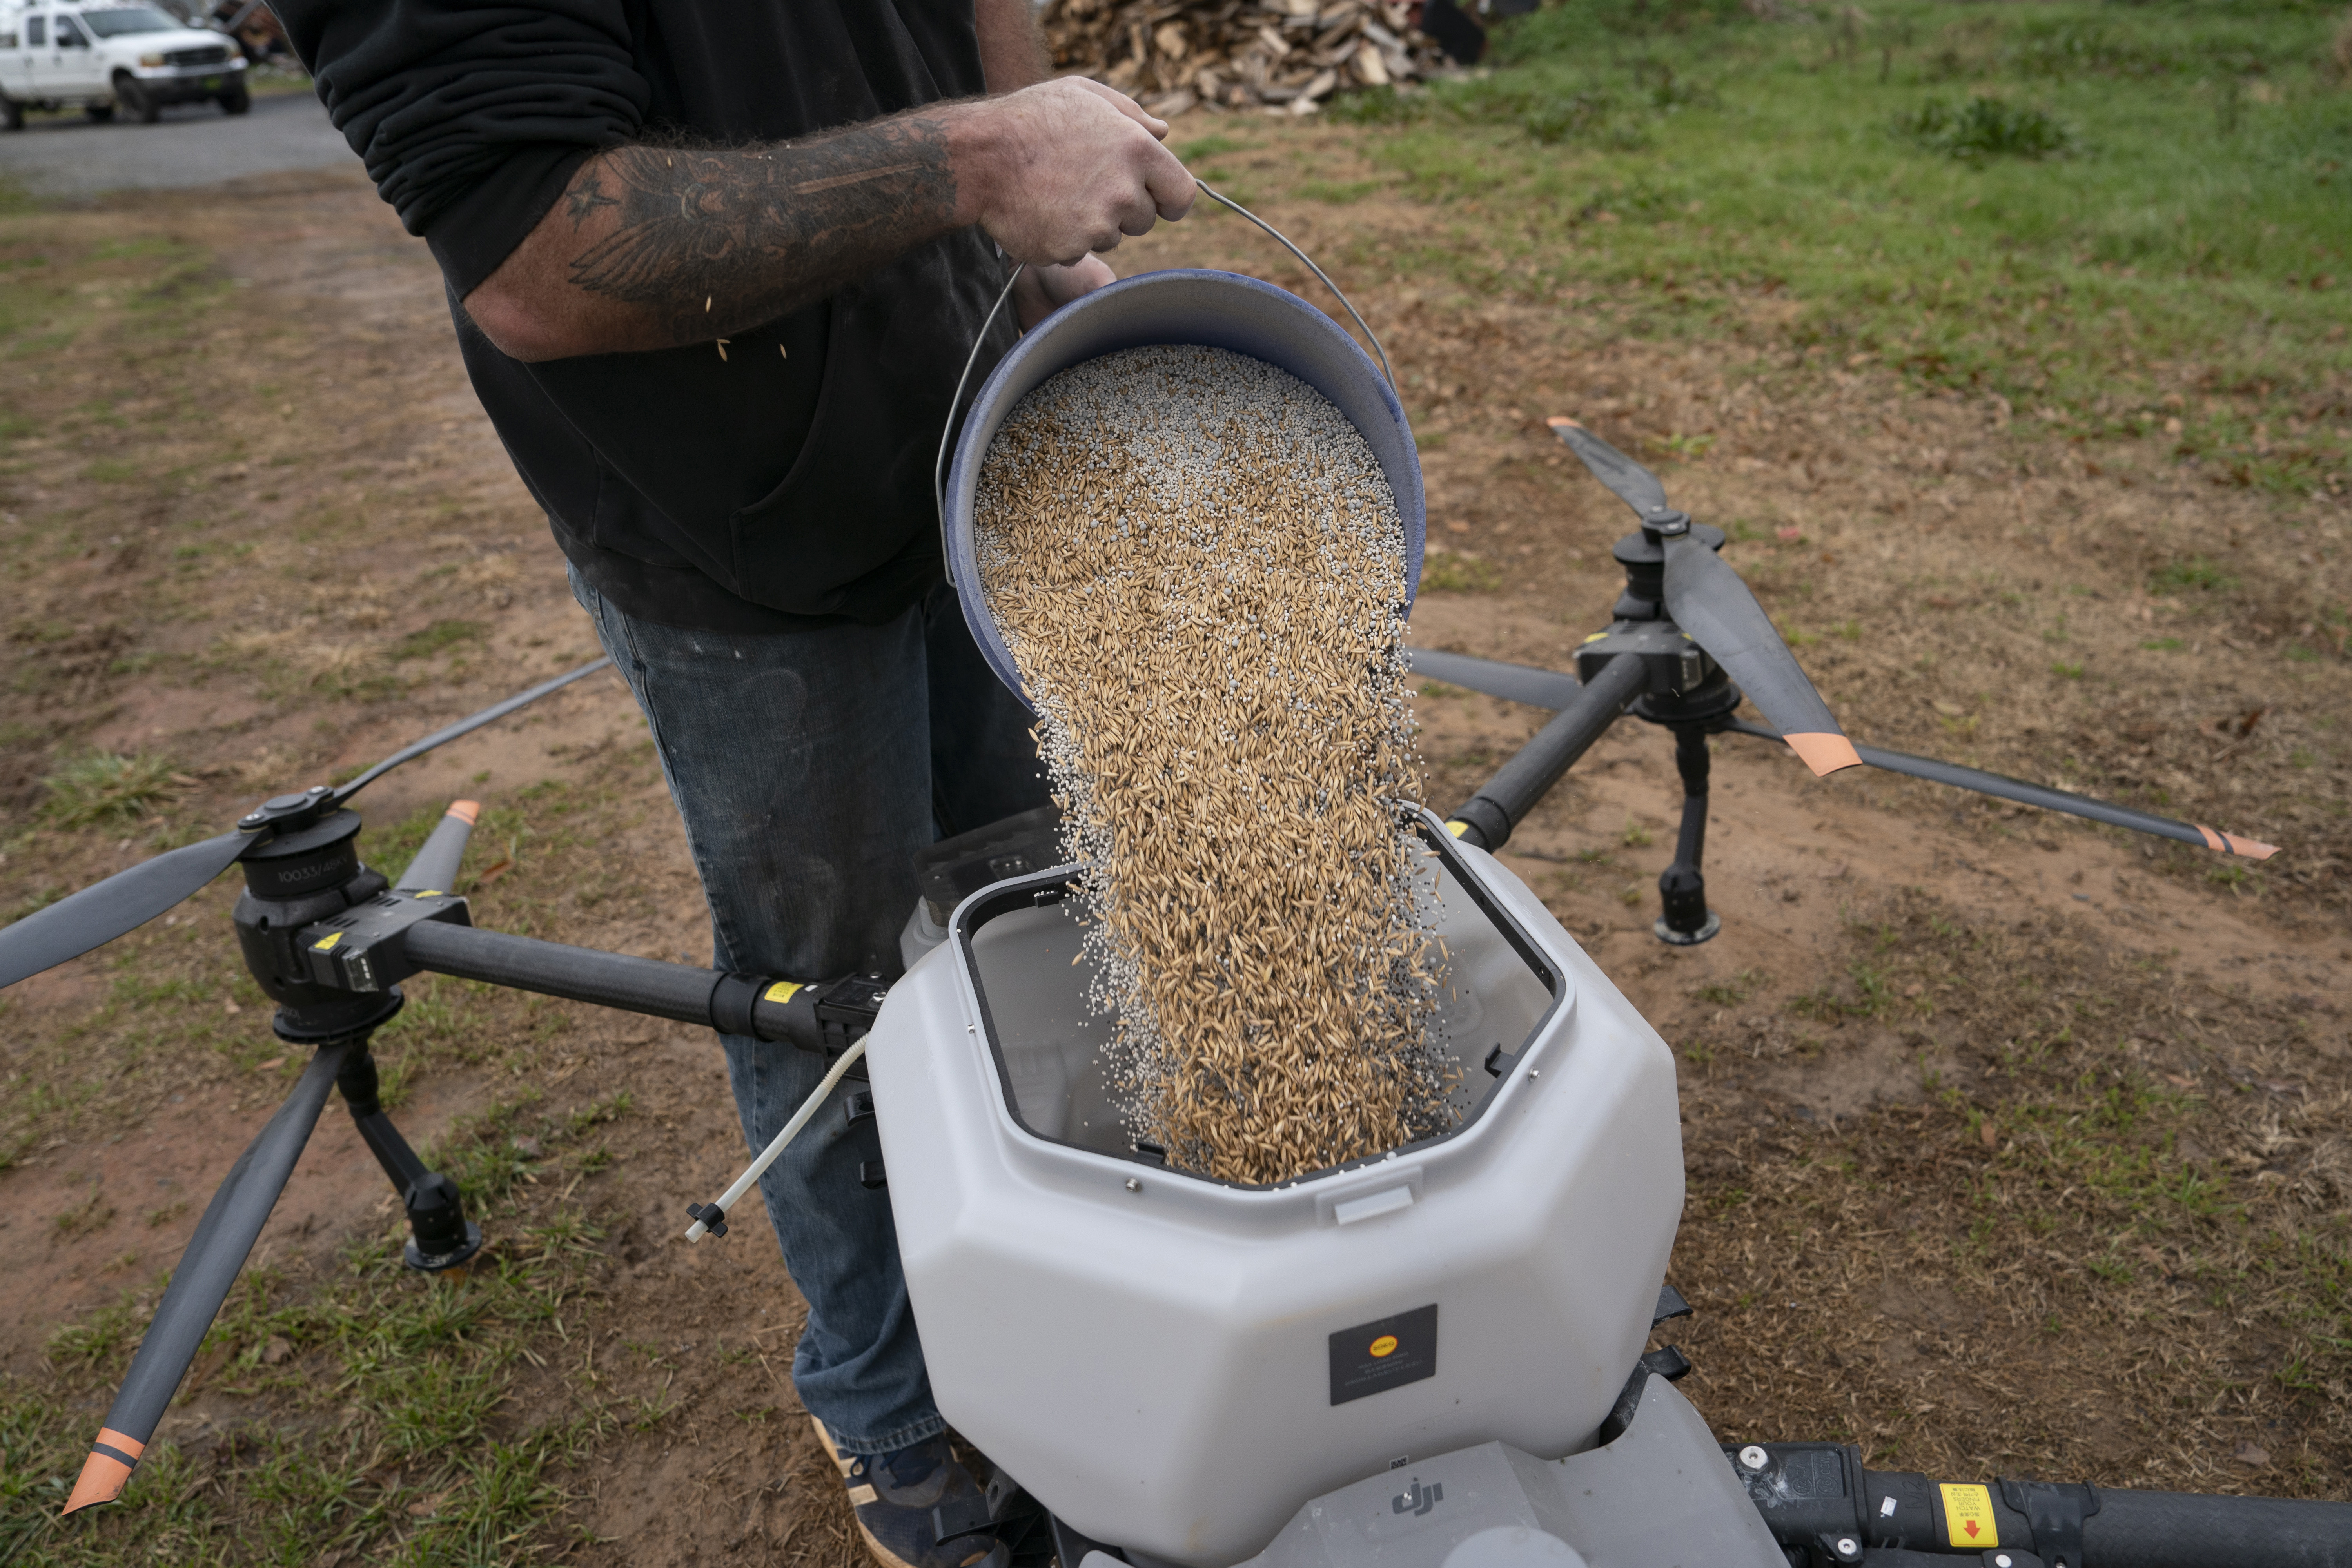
<point>1185,306</point>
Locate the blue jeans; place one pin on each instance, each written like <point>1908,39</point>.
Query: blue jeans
<point>809,767</point>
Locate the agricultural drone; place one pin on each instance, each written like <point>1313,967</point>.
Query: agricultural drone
<point>1407,1465</point>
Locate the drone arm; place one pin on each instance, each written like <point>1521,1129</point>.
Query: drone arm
<point>813,1016</point>
<point>2018,790</point>
<point>1905,1516</point>
<point>1487,818</point>
<point>231,1224</point>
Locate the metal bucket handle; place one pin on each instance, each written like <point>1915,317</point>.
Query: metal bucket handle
<point>947,434</point>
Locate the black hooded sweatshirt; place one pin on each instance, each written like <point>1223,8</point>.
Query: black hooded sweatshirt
<point>760,491</point>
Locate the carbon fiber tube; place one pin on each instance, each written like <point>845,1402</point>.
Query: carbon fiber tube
<point>1489,815</point>
<point>209,1266</point>
<point>730,1004</point>
<point>552,969</point>
<point>2185,1529</point>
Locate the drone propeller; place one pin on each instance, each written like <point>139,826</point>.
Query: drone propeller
<point>128,900</point>
<point>435,869</point>
<point>2002,787</point>
<point>104,910</point>
<point>234,1217</point>
<point>1511,682</point>
<point>1707,598</point>
<point>209,1266</point>
<point>1550,688</point>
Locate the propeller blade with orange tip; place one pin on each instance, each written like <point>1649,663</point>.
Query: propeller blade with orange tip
<point>231,1222</point>
<point>1707,598</point>
<point>435,869</point>
<point>2002,787</point>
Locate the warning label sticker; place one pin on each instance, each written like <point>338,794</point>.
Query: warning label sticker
<point>1968,1516</point>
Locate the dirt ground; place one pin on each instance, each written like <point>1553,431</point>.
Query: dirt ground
<point>2015,1144</point>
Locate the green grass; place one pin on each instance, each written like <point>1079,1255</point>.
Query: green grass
<point>1889,190</point>
<point>102,789</point>
<point>436,637</point>
<point>1450,572</point>
<point>402,1448</point>
<point>2084,1118</point>
<point>2192,572</point>
<point>1982,126</point>
<point>1731,993</point>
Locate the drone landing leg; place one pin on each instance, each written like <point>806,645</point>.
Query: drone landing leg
<point>441,1236</point>
<point>1687,921</point>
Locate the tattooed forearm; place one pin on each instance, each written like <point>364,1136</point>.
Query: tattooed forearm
<point>655,248</point>
<point>708,242</point>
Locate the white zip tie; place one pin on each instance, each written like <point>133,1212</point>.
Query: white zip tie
<point>769,1155</point>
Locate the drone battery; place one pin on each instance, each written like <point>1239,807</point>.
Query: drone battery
<point>1174,1362</point>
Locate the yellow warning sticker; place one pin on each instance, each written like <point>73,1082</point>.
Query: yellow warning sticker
<point>1458,827</point>
<point>782,991</point>
<point>327,941</point>
<point>1968,1516</point>
<point>1385,1345</point>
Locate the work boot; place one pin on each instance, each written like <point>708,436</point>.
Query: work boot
<point>894,1495</point>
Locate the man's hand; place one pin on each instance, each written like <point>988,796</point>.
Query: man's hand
<point>1067,168</point>
<point>1042,290</point>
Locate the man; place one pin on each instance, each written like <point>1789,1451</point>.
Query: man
<point>715,266</point>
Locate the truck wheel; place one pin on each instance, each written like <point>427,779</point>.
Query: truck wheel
<point>235,101</point>
<point>136,101</point>
<point>11,113</point>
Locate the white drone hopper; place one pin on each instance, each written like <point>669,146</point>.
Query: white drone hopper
<point>1176,1364</point>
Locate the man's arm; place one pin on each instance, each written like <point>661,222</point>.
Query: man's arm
<point>1012,47</point>
<point>650,247</point>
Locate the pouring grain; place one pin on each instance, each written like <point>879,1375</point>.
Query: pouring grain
<point>1197,563</point>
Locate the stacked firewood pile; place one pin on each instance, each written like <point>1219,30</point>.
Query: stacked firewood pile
<point>1288,56</point>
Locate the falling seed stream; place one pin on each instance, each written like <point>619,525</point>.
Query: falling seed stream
<point>1198,566</point>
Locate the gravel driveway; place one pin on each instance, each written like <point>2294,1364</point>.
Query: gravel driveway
<point>194,144</point>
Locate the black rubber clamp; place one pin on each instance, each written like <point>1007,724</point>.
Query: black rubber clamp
<point>730,1002</point>
<point>2055,1512</point>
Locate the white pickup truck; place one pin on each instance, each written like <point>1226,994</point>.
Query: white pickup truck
<point>132,57</point>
